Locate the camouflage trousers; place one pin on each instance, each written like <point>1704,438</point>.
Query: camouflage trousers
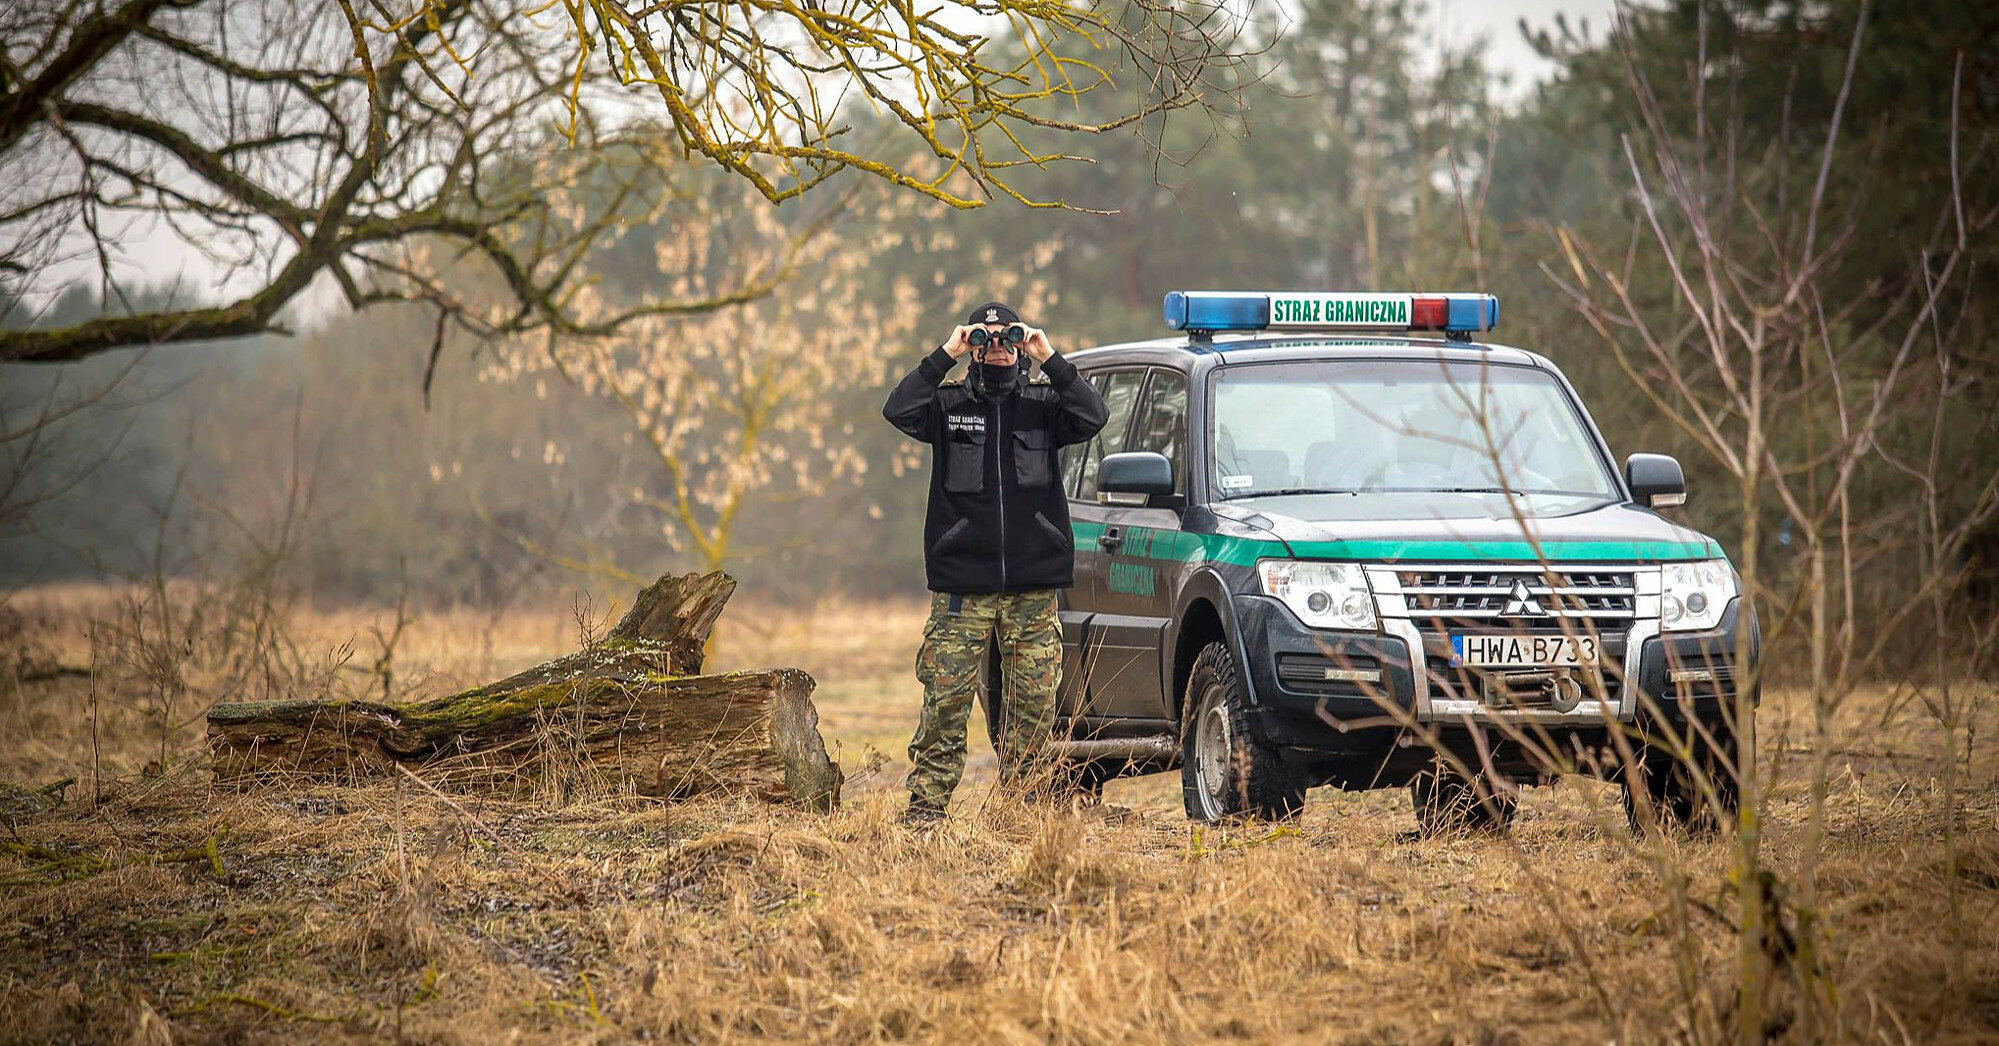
<point>1030,666</point>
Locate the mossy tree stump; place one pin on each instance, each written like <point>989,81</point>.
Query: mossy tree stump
<point>633,705</point>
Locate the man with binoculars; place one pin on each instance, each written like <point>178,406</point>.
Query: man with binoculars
<point>996,541</point>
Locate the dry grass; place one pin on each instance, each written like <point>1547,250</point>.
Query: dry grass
<point>370,913</point>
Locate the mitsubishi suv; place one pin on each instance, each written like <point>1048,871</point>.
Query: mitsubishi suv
<point>1332,539</point>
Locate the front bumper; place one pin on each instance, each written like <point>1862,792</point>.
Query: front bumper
<point>1296,705</point>
<point>1288,708</point>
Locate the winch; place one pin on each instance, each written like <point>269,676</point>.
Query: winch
<point>1553,688</point>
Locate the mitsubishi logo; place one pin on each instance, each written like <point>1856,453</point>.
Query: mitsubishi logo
<point>1520,601</point>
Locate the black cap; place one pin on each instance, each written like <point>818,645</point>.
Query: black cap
<point>994,312</point>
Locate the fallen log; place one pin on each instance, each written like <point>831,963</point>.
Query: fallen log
<point>632,705</point>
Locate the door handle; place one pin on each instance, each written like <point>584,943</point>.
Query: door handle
<point>1110,539</point>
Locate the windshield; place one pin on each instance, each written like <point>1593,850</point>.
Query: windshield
<point>1420,427</point>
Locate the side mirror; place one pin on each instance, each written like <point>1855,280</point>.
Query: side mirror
<point>1133,478</point>
<point>1655,480</point>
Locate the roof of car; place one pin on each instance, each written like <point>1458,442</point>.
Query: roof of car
<point>1309,346</point>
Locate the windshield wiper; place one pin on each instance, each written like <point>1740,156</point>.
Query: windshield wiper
<point>1287,491</point>
<point>1518,490</point>
<point>1291,491</point>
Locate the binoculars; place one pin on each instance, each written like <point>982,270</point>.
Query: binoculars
<point>1014,334</point>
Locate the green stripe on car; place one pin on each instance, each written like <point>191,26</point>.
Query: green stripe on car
<point>1178,546</point>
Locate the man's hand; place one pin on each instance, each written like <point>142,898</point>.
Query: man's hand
<point>1037,345</point>
<point>960,343</point>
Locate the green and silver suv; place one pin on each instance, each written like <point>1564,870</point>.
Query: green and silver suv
<point>1331,539</point>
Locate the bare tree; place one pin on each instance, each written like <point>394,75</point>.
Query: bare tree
<point>1846,416</point>
<point>36,464</point>
<point>350,142</point>
<point>746,407</point>
<point>1800,398</point>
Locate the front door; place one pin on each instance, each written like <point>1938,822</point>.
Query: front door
<point>1087,663</point>
<point>1141,556</point>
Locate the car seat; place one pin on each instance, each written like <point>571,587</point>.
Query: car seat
<point>1441,445</point>
<point>1270,469</point>
<point>1330,466</point>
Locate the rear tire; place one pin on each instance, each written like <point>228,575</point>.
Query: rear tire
<point>1448,803</point>
<point>1225,773</point>
<point>1086,780</point>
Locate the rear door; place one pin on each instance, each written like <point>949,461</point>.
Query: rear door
<point>1141,552</point>
<point>1082,640</point>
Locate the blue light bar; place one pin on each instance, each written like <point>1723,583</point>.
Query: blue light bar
<point>1216,311</point>
<point>1472,312</point>
<point>1209,311</point>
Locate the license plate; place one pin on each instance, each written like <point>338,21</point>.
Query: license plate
<point>1504,651</point>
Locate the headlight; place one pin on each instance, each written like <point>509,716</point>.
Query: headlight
<point>1323,595</point>
<point>1693,595</point>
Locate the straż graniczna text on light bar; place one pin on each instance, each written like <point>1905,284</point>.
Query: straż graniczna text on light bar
<point>1210,311</point>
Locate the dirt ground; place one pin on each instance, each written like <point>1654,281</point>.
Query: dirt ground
<point>147,907</point>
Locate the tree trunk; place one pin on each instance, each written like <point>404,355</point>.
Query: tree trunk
<point>632,705</point>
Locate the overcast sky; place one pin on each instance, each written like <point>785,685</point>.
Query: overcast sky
<point>1461,21</point>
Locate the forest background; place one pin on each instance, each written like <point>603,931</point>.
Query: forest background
<point>359,468</point>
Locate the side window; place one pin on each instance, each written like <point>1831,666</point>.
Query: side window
<point>1162,424</point>
<point>1072,457</point>
<point>1120,391</point>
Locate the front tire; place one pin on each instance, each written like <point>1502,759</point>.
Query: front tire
<point>1224,772</point>
<point>1673,788</point>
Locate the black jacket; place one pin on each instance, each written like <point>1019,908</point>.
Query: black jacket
<point>998,519</point>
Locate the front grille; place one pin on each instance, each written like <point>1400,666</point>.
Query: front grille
<point>1520,597</point>
<point>1611,607</point>
<point>1441,601</point>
